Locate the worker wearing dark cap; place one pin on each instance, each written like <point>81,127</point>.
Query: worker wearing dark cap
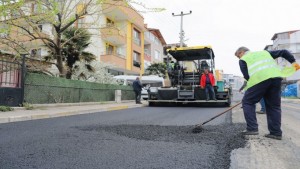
<point>264,78</point>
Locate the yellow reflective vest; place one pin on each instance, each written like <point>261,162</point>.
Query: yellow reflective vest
<point>261,66</point>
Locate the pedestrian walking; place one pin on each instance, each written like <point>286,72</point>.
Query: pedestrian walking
<point>264,78</point>
<point>137,88</point>
<point>207,82</point>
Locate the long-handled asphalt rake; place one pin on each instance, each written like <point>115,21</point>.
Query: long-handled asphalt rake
<point>199,127</point>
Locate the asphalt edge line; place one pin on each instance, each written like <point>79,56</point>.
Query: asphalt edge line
<point>64,114</point>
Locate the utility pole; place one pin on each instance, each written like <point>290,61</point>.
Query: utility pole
<point>181,26</point>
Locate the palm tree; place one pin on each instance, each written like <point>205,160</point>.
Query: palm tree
<point>77,40</point>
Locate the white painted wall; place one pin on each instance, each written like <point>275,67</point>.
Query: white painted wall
<point>94,23</point>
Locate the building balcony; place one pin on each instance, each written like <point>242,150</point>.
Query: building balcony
<point>277,42</point>
<point>114,59</point>
<point>120,11</point>
<point>147,40</point>
<point>147,57</point>
<point>112,34</point>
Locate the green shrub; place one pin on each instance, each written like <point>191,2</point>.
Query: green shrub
<point>27,106</point>
<point>6,108</point>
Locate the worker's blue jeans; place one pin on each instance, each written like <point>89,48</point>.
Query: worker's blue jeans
<point>209,89</point>
<point>262,105</point>
<point>270,90</point>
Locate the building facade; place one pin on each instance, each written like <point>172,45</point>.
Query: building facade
<point>290,41</point>
<point>120,40</point>
<point>117,35</point>
<point>153,48</point>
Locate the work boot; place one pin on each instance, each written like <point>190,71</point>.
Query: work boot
<point>246,132</point>
<point>273,137</point>
<point>260,112</point>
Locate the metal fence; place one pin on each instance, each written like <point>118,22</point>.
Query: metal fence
<point>11,82</point>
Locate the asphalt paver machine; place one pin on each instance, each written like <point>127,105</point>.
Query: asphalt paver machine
<point>185,67</point>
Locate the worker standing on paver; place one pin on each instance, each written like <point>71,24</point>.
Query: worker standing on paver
<point>264,78</point>
<point>207,82</point>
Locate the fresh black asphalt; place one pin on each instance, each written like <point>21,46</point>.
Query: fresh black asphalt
<point>148,138</point>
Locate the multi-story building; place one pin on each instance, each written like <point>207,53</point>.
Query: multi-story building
<point>153,48</point>
<point>289,40</point>
<point>235,82</point>
<point>118,35</point>
<point>121,38</point>
<point>228,79</point>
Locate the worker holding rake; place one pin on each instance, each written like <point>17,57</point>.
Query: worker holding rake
<point>264,78</point>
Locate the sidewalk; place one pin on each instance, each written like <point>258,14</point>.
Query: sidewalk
<point>285,100</point>
<point>261,152</point>
<point>42,111</point>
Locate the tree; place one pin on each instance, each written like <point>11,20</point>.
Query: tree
<point>74,50</point>
<point>21,20</point>
<point>159,69</point>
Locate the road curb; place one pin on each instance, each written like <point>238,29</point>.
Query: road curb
<point>71,104</point>
<point>290,100</point>
<point>65,114</point>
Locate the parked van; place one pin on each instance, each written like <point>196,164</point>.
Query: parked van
<point>147,82</point>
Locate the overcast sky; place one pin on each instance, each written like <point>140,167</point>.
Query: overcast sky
<point>225,24</point>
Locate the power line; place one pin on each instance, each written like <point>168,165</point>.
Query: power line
<point>181,26</point>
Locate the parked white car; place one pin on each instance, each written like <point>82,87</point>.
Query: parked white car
<point>147,82</point>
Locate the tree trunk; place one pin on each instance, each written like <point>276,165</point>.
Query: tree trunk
<point>69,74</point>
<point>59,60</point>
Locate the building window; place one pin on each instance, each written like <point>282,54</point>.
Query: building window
<point>147,52</point>
<point>36,53</point>
<point>121,52</point>
<point>136,59</point>
<point>156,41</point>
<point>156,54</point>
<point>137,37</point>
<point>40,27</point>
<point>109,49</point>
<point>109,22</point>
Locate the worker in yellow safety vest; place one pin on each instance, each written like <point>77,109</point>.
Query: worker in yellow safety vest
<point>264,78</point>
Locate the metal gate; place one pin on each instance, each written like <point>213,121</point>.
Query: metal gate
<point>12,82</point>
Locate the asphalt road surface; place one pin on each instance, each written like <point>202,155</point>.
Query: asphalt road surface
<point>148,138</point>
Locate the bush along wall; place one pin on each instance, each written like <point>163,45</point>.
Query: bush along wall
<point>42,89</point>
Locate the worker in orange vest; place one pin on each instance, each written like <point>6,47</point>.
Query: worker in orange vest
<point>207,82</point>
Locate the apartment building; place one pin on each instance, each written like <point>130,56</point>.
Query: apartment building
<point>235,82</point>
<point>289,40</point>
<point>153,48</point>
<point>119,39</point>
<point>118,35</point>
